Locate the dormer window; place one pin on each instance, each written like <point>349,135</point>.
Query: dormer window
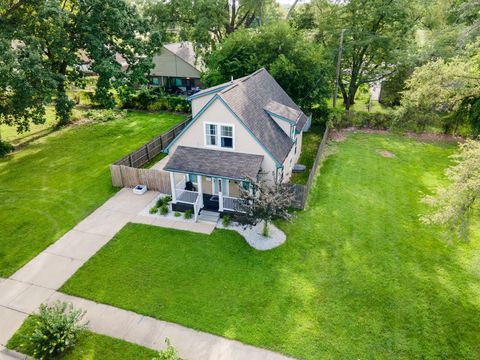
<point>219,135</point>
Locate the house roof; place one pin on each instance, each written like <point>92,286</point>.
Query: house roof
<point>185,51</point>
<point>249,96</point>
<point>228,164</point>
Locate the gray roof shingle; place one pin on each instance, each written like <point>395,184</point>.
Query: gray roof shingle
<point>249,96</point>
<point>229,164</point>
<point>185,51</point>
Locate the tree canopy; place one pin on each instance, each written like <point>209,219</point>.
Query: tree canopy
<point>46,43</point>
<point>296,63</point>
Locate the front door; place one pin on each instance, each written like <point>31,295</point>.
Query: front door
<point>220,185</point>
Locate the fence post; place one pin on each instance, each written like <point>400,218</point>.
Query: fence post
<point>130,160</point>
<point>146,150</point>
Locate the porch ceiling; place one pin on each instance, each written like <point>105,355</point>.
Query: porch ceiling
<point>227,164</point>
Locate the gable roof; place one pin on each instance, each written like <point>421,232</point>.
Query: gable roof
<point>248,97</point>
<point>185,51</point>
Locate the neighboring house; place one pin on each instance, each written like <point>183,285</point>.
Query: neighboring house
<point>239,130</point>
<point>176,68</point>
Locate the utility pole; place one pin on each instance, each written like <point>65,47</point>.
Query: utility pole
<point>339,60</point>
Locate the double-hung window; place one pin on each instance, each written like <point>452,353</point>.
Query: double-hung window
<point>211,134</point>
<point>226,136</point>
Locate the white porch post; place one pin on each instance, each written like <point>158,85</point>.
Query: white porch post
<point>200,190</point>
<point>220,201</point>
<point>195,212</point>
<point>172,184</point>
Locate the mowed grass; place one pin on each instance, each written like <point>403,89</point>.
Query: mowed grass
<point>53,183</point>
<point>89,346</point>
<point>310,142</point>
<point>359,276</point>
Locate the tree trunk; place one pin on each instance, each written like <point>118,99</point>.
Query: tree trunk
<point>265,231</point>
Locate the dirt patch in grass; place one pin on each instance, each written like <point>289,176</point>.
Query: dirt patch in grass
<point>337,136</point>
<point>385,153</point>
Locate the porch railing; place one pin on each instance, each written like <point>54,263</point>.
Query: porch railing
<point>186,196</point>
<point>232,204</point>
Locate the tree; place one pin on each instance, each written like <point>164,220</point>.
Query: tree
<point>265,203</point>
<point>377,32</point>
<point>49,38</point>
<point>442,92</point>
<point>454,205</point>
<point>208,22</point>
<point>294,61</point>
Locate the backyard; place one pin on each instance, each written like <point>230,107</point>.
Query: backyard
<point>359,276</point>
<point>54,182</point>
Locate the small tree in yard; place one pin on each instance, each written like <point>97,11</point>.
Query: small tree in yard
<point>56,330</point>
<point>455,204</point>
<point>265,203</point>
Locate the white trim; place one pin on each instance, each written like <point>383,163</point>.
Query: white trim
<point>218,135</point>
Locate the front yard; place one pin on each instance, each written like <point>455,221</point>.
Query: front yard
<point>53,183</point>
<point>359,276</point>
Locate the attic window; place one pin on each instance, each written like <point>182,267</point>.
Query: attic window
<point>226,138</point>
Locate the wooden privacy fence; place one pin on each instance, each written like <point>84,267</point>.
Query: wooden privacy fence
<point>126,172</point>
<point>125,176</point>
<point>139,157</point>
<point>301,191</point>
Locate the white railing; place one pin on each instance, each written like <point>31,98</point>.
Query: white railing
<point>186,196</point>
<point>232,204</point>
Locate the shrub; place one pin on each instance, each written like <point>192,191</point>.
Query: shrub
<point>188,214</point>
<point>103,115</point>
<point>155,99</point>
<point>160,202</point>
<point>170,353</point>
<point>340,119</point>
<point>164,209</point>
<point>176,214</point>
<point>167,199</point>
<point>56,330</point>
<point>154,210</point>
<point>5,148</point>
<point>226,220</point>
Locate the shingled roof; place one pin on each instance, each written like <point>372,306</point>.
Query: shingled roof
<point>249,97</point>
<point>214,162</point>
<point>185,51</point>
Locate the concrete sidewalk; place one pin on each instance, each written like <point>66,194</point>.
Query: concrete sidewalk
<point>38,281</point>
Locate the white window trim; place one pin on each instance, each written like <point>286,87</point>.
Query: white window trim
<point>218,136</point>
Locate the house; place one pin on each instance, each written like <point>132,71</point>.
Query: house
<point>177,68</point>
<point>239,130</point>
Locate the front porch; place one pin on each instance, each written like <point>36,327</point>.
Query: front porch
<point>210,179</point>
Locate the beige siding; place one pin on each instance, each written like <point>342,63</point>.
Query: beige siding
<point>244,142</point>
<point>168,64</point>
<point>199,103</point>
<point>292,159</point>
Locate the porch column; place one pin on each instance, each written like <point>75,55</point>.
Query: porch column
<point>200,190</point>
<point>220,201</point>
<point>172,184</point>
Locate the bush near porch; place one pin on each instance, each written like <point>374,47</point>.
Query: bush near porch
<point>359,275</point>
<point>54,182</point>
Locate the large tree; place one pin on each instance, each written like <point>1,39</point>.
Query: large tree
<point>293,60</point>
<point>377,32</point>
<point>46,42</point>
<point>207,22</point>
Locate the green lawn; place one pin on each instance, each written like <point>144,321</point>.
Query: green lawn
<point>310,142</point>
<point>359,277</point>
<point>90,346</point>
<point>54,182</point>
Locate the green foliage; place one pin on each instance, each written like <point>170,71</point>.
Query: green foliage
<point>188,214</point>
<point>393,86</point>
<point>177,214</point>
<point>155,99</point>
<point>340,119</point>
<point>377,35</point>
<point>455,204</point>
<point>167,199</point>
<point>5,148</point>
<point>294,61</point>
<point>89,345</point>
<point>153,210</point>
<point>103,115</point>
<point>52,40</point>
<point>56,330</point>
<point>164,209</point>
<point>163,201</point>
<point>226,220</point>
<point>170,353</point>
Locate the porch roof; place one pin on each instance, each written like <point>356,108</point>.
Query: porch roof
<point>227,164</point>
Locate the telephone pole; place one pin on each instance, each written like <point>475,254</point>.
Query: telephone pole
<point>339,60</point>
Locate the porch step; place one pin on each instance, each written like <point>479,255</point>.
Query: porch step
<point>208,216</point>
